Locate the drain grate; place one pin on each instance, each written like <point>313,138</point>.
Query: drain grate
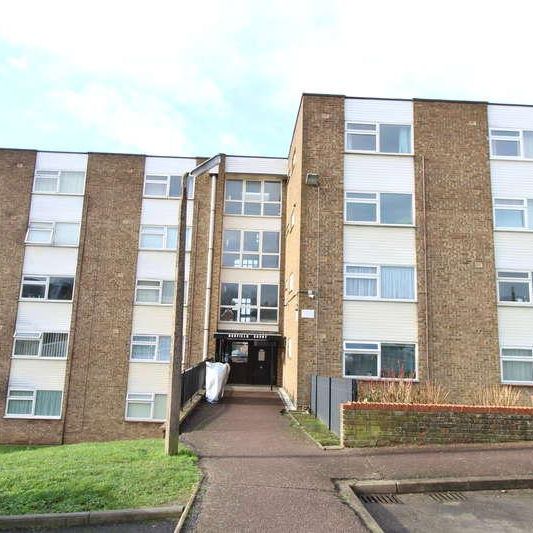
<point>380,498</point>
<point>447,497</point>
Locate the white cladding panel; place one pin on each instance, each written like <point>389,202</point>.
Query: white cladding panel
<point>38,374</point>
<point>169,165</point>
<point>514,250</point>
<point>59,161</point>
<point>157,265</point>
<point>242,326</point>
<point>148,377</point>
<point>510,116</point>
<point>368,110</point>
<point>252,223</point>
<point>245,275</point>
<point>154,319</point>
<point>514,325</point>
<point>380,321</point>
<point>379,245</point>
<point>44,316</point>
<point>256,165</point>
<point>512,179</point>
<point>56,208</point>
<point>51,260</point>
<point>379,173</point>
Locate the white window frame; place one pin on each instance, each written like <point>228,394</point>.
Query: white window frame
<point>520,359</point>
<point>242,252</point>
<point>519,139</point>
<point>239,305</point>
<point>52,228</point>
<point>510,207</point>
<point>376,201</point>
<point>38,336</point>
<point>377,277</point>
<point>190,185</point>
<point>46,290</point>
<point>262,201</point>
<point>162,231</point>
<point>155,359</point>
<point>149,399</point>
<point>376,133</point>
<point>376,351</point>
<point>528,280</point>
<point>57,174</point>
<point>33,399</point>
<point>159,288</point>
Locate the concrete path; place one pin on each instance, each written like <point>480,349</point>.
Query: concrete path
<point>264,475</point>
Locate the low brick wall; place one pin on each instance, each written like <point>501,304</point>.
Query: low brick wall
<point>378,424</point>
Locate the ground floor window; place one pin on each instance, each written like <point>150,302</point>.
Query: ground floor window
<point>379,360</point>
<point>517,365</point>
<point>146,406</point>
<point>26,403</point>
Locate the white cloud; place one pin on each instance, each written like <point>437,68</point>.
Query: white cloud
<point>18,63</point>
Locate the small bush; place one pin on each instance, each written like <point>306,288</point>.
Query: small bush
<point>403,392</point>
<point>432,393</point>
<point>497,395</point>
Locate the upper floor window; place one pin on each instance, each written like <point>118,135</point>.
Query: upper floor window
<point>379,208</point>
<point>514,286</point>
<point>59,182</point>
<point>379,360</point>
<point>150,348</point>
<point>517,365</point>
<point>245,302</point>
<point>513,213</point>
<point>154,292</point>
<point>47,287</point>
<point>379,138</point>
<point>53,233</point>
<point>163,238</point>
<point>29,403</point>
<point>251,249</point>
<point>511,143</point>
<point>253,198</point>
<point>40,344</point>
<point>167,186</point>
<point>379,282</point>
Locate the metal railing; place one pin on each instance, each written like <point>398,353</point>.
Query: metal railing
<point>193,380</point>
<point>326,396</point>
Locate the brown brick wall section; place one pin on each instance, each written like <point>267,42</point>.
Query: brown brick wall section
<point>102,329</point>
<point>452,173</point>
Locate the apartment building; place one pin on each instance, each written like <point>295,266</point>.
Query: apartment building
<point>394,242</point>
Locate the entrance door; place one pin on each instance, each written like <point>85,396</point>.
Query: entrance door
<point>239,362</point>
<point>261,361</point>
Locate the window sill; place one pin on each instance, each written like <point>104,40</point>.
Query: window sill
<point>154,304</point>
<point>251,216</point>
<point>151,361</point>
<point>248,323</point>
<point>514,230</point>
<point>251,268</point>
<point>166,250</point>
<point>518,383</point>
<point>515,304</point>
<point>43,300</point>
<point>32,417</point>
<point>36,358</point>
<point>150,197</point>
<point>51,245</point>
<point>370,378</point>
<point>510,158</point>
<point>144,420</point>
<point>368,152</point>
<point>75,194</point>
<point>394,300</point>
<point>376,224</point>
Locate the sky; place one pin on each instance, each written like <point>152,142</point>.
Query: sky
<point>201,77</point>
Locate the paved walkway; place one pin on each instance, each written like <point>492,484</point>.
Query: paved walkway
<point>264,475</point>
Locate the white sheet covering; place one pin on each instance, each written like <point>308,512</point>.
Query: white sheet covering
<point>216,377</point>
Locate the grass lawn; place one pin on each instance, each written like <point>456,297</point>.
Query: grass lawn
<point>94,476</point>
<point>316,428</point>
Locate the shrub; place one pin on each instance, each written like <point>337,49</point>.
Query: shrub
<point>402,392</point>
<point>497,395</point>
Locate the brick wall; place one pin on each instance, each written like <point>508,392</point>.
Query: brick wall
<point>387,425</point>
<point>457,316</point>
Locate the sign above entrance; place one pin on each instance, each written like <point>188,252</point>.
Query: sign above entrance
<point>248,336</point>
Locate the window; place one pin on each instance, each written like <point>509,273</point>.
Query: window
<point>47,288</point>
<point>513,213</point>
<point>381,138</point>
<point>53,233</point>
<point>517,365</point>
<point>52,345</point>
<point>379,282</point>
<point>244,302</point>
<point>150,348</point>
<point>59,182</point>
<point>25,403</point>
<point>154,292</point>
<point>250,249</point>
<point>378,208</point>
<point>163,238</point>
<point>167,186</point>
<point>379,360</point>
<point>511,143</point>
<point>514,286</point>
<point>146,406</point>
<point>253,198</point>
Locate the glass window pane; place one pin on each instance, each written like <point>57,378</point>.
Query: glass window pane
<point>164,348</point>
<point>360,346</point>
<point>252,208</point>
<point>228,314</point>
<point>505,148</point>
<point>360,127</point>
<point>361,287</point>
<point>528,144</point>
<point>160,407</point>
<point>356,212</point>
<point>517,352</point>
<point>26,347</point>
<point>361,142</point>
<point>270,261</point>
<point>234,190</point>
<point>397,283</point>
<point>249,294</point>
<point>167,295</point>
<point>71,182</point>
<point>19,407</point>
<point>253,191</point>
<point>143,351</point>
<point>513,291</point>
<point>172,239</point>
<point>396,208</point>
<point>250,261</point>
<point>155,189</point>
<point>248,313</point>
<point>239,352</point>
<point>509,218</point>
<point>54,345</point>
<point>60,288</point>
<point>175,189</point>
<point>517,275</point>
<point>229,294</point>
<point>231,260</point>
<point>250,241</point>
<point>354,269</point>
<point>39,233</point>
<point>394,139</point>
<point>139,410</point>
<point>46,183</point>
<point>269,315</point>
<point>66,234</point>
<point>269,295</point>
<point>517,371</point>
<point>271,210</point>
<point>272,191</point>
<point>233,208</point>
<point>361,364</point>
<point>33,290</point>
<point>530,213</point>
<point>232,240</point>
<point>147,295</point>
<point>48,403</point>
<point>505,133</point>
<point>398,361</point>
